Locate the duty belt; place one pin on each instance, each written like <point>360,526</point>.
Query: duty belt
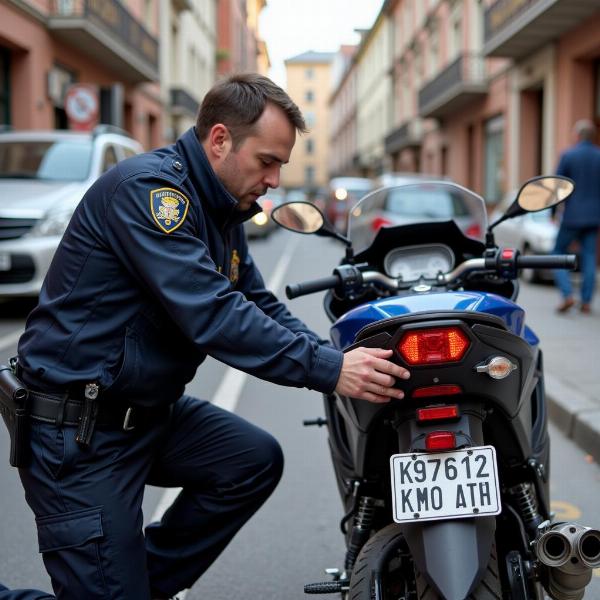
<point>52,408</point>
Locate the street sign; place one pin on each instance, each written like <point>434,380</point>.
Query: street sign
<point>82,106</point>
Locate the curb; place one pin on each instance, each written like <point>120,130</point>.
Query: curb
<point>575,414</point>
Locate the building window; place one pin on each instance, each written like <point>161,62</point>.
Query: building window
<point>310,118</point>
<point>309,96</point>
<point>310,146</point>
<point>309,175</point>
<point>309,73</point>
<point>494,160</point>
<point>4,87</point>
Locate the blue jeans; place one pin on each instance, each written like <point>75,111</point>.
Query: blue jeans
<point>87,501</point>
<point>587,237</point>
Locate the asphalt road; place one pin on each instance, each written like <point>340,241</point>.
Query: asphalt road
<point>295,535</point>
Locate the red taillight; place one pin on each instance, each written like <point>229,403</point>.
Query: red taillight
<point>440,440</point>
<point>437,413</point>
<point>430,346</point>
<point>437,390</point>
<point>378,222</point>
<point>474,230</point>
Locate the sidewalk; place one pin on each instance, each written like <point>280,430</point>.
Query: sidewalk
<point>571,346</point>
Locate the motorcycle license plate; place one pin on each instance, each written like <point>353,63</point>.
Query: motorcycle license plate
<point>446,485</point>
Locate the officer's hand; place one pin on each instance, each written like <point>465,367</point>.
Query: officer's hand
<point>366,374</point>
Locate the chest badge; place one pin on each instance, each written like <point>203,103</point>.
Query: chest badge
<point>234,269</point>
<point>169,208</point>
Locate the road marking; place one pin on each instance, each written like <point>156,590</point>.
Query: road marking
<point>232,384</point>
<point>565,511</point>
<point>596,572</point>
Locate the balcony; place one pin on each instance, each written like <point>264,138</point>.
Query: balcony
<point>182,103</point>
<point>456,86</point>
<point>106,32</point>
<point>516,28</point>
<point>408,135</point>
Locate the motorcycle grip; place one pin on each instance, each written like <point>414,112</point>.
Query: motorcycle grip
<point>310,287</point>
<point>556,261</point>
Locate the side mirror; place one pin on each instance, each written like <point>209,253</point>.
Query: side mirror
<point>305,217</point>
<point>538,193</point>
<point>544,192</point>
<point>301,217</point>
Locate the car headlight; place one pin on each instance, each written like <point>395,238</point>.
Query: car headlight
<point>53,224</point>
<point>260,219</point>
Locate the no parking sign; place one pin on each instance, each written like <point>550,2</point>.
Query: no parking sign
<point>82,106</point>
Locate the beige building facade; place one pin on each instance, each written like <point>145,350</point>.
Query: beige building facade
<point>188,49</point>
<point>373,96</point>
<point>309,85</point>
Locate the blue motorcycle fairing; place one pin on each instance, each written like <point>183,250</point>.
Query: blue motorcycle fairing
<point>344,330</point>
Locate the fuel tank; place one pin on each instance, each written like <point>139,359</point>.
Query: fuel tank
<point>344,330</point>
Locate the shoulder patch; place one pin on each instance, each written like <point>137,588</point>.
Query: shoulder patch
<point>169,208</point>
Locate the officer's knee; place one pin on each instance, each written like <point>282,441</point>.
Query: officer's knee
<point>269,460</point>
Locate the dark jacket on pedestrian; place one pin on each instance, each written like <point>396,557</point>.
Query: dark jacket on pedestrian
<point>155,274</point>
<point>582,164</point>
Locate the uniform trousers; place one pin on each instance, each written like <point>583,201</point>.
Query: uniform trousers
<point>88,501</point>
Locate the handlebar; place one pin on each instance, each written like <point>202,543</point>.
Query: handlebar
<point>558,261</point>
<point>310,287</point>
<point>504,265</point>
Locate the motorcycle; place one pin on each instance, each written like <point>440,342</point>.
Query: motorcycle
<point>446,492</point>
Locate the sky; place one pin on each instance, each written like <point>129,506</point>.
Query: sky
<point>291,27</point>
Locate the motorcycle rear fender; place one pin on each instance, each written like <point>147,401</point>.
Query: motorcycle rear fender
<point>452,555</point>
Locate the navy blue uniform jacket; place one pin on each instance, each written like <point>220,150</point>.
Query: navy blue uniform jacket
<point>582,164</point>
<point>153,274</point>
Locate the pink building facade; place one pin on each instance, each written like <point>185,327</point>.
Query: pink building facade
<point>487,93</point>
<point>45,46</point>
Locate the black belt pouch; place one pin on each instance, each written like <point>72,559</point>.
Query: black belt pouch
<point>13,407</point>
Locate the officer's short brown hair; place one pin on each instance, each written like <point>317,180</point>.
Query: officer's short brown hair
<point>239,101</point>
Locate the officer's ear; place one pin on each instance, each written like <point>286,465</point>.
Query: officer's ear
<point>219,141</point>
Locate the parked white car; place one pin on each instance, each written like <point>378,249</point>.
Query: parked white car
<point>43,176</point>
<point>532,233</point>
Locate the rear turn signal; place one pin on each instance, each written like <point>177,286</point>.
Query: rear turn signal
<point>440,440</point>
<point>433,346</point>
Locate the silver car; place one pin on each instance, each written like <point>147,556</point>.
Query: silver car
<point>43,176</point>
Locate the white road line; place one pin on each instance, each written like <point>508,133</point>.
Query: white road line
<point>232,384</point>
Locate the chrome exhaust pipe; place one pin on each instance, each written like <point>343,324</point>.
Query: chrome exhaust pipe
<point>588,548</point>
<point>553,548</point>
<point>569,552</point>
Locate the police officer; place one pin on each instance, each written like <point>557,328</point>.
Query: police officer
<point>153,274</point>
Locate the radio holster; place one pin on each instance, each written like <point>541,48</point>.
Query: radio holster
<point>13,408</point>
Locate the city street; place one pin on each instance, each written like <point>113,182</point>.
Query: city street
<point>296,534</point>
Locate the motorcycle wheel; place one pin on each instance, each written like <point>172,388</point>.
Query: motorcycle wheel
<point>400,579</point>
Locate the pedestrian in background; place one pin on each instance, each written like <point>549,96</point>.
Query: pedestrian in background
<point>581,216</point>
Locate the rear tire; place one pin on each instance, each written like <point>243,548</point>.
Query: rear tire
<point>402,578</point>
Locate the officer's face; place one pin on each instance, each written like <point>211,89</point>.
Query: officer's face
<point>250,170</point>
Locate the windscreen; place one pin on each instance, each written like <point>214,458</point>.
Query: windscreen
<point>416,203</point>
<point>55,160</point>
